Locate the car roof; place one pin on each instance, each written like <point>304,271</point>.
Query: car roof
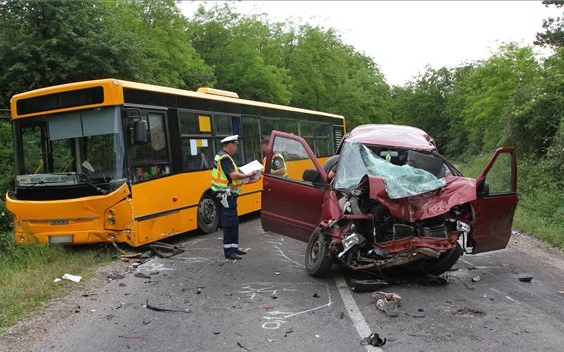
<point>393,136</point>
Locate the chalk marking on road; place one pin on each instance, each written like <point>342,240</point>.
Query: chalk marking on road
<point>496,291</point>
<point>153,266</point>
<point>511,299</point>
<point>288,259</point>
<point>353,311</point>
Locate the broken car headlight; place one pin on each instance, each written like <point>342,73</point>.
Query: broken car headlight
<point>350,241</point>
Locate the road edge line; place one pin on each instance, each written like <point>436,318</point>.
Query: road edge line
<point>353,311</point>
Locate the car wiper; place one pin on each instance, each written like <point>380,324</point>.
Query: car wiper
<point>84,179</point>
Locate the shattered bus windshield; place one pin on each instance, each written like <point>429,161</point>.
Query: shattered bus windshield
<point>357,160</point>
<point>70,148</point>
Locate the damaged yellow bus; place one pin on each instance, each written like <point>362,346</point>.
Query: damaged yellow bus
<point>116,161</point>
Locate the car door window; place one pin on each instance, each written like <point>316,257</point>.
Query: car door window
<point>500,176</point>
<point>295,156</point>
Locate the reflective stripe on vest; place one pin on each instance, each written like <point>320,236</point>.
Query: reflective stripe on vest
<point>283,162</point>
<point>219,181</point>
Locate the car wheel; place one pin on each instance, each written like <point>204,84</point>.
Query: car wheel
<point>208,214</point>
<point>443,263</point>
<point>318,260</point>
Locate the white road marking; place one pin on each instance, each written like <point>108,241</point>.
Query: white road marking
<point>288,259</point>
<point>354,312</point>
<point>511,299</point>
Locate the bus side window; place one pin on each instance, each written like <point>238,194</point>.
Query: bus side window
<point>197,147</point>
<point>151,160</point>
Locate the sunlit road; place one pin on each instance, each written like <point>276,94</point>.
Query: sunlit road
<point>267,302</point>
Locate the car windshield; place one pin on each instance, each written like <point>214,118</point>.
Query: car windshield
<point>357,160</point>
<point>59,148</point>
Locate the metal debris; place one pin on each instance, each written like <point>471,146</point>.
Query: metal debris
<point>243,347</point>
<point>374,340</point>
<point>157,309</point>
<point>525,278</point>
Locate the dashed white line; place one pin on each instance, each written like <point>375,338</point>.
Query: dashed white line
<point>353,311</point>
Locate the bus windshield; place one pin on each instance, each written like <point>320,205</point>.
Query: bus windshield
<point>70,148</point>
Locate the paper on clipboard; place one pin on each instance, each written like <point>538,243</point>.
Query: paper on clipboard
<point>252,167</point>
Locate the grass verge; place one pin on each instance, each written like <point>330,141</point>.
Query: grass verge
<point>27,274</point>
<point>541,203</point>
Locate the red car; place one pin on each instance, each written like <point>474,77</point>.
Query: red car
<point>395,202</point>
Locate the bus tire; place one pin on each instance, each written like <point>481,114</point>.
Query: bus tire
<point>208,214</point>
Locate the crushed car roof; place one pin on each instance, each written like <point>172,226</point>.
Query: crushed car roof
<point>393,136</point>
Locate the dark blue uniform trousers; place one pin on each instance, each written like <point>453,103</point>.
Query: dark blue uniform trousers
<point>230,225</point>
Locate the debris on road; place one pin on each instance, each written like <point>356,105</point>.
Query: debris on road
<point>387,302</point>
<point>342,315</point>
<point>157,309</point>
<point>468,313</point>
<point>367,285</point>
<point>476,278</point>
<point>142,276</point>
<point>288,332</point>
<point>165,250</point>
<point>374,340</point>
<point>115,276</point>
<point>419,314</point>
<point>129,337</point>
<point>315,295</point>
<point>525,278</point>
<point>57,279</point>
<point>73,278</point>
<point>243,347</point>
<point>432,280</point>
<point>463,282</point>
<point>561,292</point>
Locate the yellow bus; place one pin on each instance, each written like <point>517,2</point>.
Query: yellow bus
<point>116,161</point>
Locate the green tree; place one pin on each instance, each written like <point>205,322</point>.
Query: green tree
<point>553,34</point>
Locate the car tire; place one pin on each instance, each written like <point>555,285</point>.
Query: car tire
<point>208,214</point>
<point>318,259</point>
<point>444,262</point>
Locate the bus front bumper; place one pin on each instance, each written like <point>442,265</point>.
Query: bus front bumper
<point>68,221</point>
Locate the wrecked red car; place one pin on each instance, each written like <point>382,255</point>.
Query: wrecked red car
<point>394,202</point>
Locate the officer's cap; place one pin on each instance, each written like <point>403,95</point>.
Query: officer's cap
<point>231,139</point>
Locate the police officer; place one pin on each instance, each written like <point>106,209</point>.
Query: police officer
<point>278,164</point>
<point>226,184</point>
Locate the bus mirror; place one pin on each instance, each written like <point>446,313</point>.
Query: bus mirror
<point>140,132</point>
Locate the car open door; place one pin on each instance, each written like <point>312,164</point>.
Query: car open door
<point>496,202</point>
<point>291,205</point>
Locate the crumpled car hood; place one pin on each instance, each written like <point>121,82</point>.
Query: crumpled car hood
<point>458,190</point>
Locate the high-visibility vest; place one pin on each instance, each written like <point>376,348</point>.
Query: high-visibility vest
<point>283,163</point>
<point>219,181</point>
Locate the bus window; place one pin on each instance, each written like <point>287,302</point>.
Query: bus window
<point>323,140</point>
<point>267,125</point>
<point>197,154</point>
<point>194,124</point>
<point>290,126</point>
<point>33,138</point>
<point>197,148</point>
<point>151,160</point>
<point>306,131</point>
<point>223,125</point>
<point>251,139</point>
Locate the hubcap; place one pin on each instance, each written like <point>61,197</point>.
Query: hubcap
<point>207,210</point>
<point>315,250</point>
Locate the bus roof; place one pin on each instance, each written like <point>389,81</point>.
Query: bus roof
<point>116,86</point>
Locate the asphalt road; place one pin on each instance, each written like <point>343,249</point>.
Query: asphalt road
<point>267,302</point>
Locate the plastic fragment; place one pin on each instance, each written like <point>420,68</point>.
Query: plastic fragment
<point>73,278</point>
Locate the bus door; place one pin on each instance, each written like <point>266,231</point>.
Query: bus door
<point>154,196</point>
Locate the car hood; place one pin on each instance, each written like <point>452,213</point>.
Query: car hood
<point>457,191</point>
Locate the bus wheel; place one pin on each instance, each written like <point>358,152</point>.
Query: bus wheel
<point>208,214</point>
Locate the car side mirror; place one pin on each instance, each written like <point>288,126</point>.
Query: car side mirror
<point>140,132</point>
<point>310,175</point>
<point>483,189</point>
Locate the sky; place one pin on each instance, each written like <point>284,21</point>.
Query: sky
<point>404,36</point>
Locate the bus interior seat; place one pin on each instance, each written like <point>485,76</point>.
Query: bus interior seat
<point>426,162</point>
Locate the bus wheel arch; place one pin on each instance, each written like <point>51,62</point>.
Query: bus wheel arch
<point>208,213</point>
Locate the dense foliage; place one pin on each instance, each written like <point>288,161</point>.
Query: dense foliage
<point>513,97</point>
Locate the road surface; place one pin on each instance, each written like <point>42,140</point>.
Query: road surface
<point>267,302</point>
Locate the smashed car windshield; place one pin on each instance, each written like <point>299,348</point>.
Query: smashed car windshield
<point>357,160</point>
